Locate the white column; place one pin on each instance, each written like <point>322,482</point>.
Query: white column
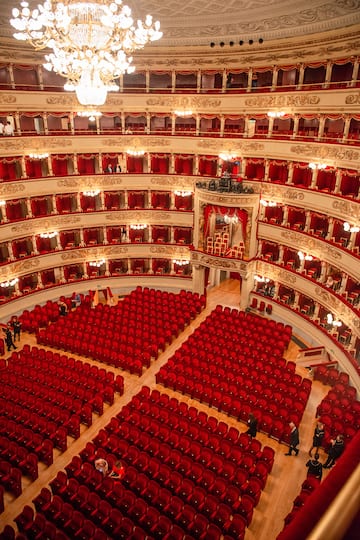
<point>121,83</point>
<point>105,238</point>
<point>40,282</point>
<point>11,75</point>
<point>173,120</point>
<point>107,270</point>
<point>17,289</point>
<point>281,255</point>
<point>355,72</point>
<point>102,200</point>
<point>196,165</point>
<point>78,201</point>
<point>198,279</point>
<point>45,120</point>
<point>274,78</point>
<point>71,120</point>
<point>249,83</point>
<point>122,122</point>
<point>323,271</point>
<point>173,81</point>
<point>330,229</point>
<point>307,220</point>
<point>346,128</point>
<point>35,249</point>
<point>97,123</point>
<point>17,123</point>
<point>301,76</point>
<point>75,163</point>
<point>82,241</point>
<point>28,208</point>
<point>266,172</point>
<point>321,128</point>
<point>53,202</point>
<point>198,82</point>
<point>100,165</point>
<point>49,164</point>
<point>314,178</point>
<point>172,164</point>
<point>197,119</point>
<point>11,251</point>
<point>23,167</point>
<point>285,216</point>
<point>243,164</point>
<point>62,275</point>
<point>296,126</point>
<point>224,79</point>
<point>290,173</point>
<point>328,74</point>
<point>296,300</point>
<point>222,125</point>
<point>338,178</point>
<point>172,200</point>
<point>126,200</point>
<point>246,288</point>
<point>271,127</point>
<point>147,81</point>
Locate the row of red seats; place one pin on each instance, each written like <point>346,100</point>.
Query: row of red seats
<point>18,456</point>
<point>330,376</point>
<point>64,366</point>
<point>10,478</point>
<point>308,486</point>
<point>27,427</point>
<point>32,442</point>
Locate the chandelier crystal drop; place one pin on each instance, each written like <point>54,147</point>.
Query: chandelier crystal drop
<point>91,42</point>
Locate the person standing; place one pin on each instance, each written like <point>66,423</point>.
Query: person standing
<point>252,424</point>
<point>9,338</point>
<point>294,440</point>
<point>16,326</point>
<point>318,437</point>
<point>335,451</point>
<point>314,467</point>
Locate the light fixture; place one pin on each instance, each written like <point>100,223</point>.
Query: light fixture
<point>135,153</point>
<point>318,166</point>
<point>90,40</point>
<point>49,234</point>
<point>330,320</point>
<point>180,262</point>
<point>183,113</point>
<point>231,219</point>
<point>138,227</point>
<point>9,283</point>
<point>2,203</point>
<point>39,156</point>
<point>276,114</point>
<point>261,279</point>
<point>350,228</point>
<point>227,156</point>
<point>183,193</point>
<point>91,192</point>
<point>304,257</point>
<point>267,203</point>
<point>97,264</point>
<point>91,114</point>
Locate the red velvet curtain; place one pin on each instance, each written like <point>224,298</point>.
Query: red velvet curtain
<point>224,211</point>
<point>60,165</point>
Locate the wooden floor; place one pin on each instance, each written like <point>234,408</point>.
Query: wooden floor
<point>288,473</point>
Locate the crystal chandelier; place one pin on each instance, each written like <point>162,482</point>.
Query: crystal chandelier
<point>90,40</point>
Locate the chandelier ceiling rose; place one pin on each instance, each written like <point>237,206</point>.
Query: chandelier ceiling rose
<point>91,42</point>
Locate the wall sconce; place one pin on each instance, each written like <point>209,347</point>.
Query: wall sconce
<point>318,166</point>
<point>267,203</point>
<point>97,264</point>
<point>9,283</point>
<point>350,228</point>
<point>136,153</point>
<point>183,193</point>
<point>276,114</point>
<point>138,227</point>
<point>330,320</point>
<point>183,113</point>
<point>180,262</point>
<point>39,156</point>
<point>2,203</point>
<point>91,193</point>
<point>227,156</point>
<point>231,219</point>
<point>48,234</point>
<point>261,279</point>
<point>304,257</point>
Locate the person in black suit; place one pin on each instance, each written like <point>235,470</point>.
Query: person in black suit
<point>335,451</point>
<point>294,440</point>
<point>9,338</point>
<point>319,434</point>
<point>314,467</point>
<point>252,423</point>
